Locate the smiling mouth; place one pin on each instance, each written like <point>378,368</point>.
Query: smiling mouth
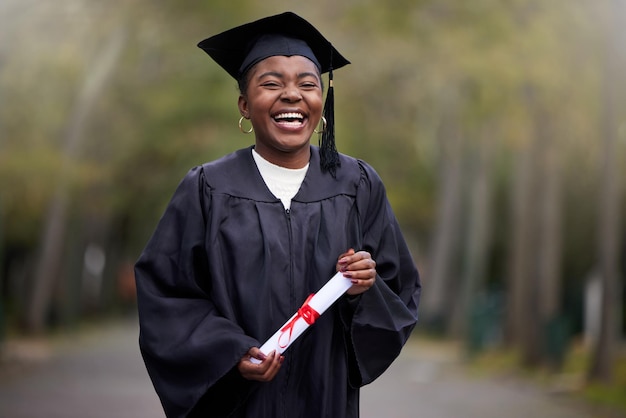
<point>290,119</point>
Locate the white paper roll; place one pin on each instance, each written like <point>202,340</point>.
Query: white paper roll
<point>320,302</point>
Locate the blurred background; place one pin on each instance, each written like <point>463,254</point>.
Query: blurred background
<point>498,127</point>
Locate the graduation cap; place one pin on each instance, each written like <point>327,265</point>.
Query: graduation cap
<point>238,49</point>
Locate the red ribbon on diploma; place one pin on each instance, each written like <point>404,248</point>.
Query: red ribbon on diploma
<point>305,312</point>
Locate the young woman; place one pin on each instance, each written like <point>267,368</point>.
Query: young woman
<point>247,238</point>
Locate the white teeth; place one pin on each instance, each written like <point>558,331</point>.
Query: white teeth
<point>290,115</point>
<point>294,124</point>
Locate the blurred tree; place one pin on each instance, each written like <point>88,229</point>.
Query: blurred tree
<point>438,307</point>
<point>549,243</point>
<point>477,239</point>
<point>609,199</point>
<point>522,286</point>
<point>54,232</point>
<point>536,256</point>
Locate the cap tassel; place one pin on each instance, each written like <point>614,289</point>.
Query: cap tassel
<point>329,157</point>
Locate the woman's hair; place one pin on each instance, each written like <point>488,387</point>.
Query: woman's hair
<point>243,81</point>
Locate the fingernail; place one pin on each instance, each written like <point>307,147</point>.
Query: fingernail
<point>347,275</point>
<point>343,260</point>
<point>354,281</point>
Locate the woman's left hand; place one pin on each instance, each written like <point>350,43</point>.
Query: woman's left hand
<point>359,268</point>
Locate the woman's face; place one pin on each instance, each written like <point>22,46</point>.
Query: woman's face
<point>284,103</point>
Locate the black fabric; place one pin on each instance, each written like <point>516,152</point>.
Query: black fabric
<point>227,266</point>
<point>231,48</point>
<point>271,45</point>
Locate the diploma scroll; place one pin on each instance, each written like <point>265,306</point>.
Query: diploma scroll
<point>312,308</point>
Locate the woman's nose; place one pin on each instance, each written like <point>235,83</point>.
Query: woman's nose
<point>291,94</point>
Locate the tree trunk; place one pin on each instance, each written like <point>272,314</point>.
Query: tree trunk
<point>609,222</point>
<point>534,290</point>
<point>477,238</point>
<point>549,243</point>
<point>521,275</point>
<point>439,300</point>
<point>3,276</point>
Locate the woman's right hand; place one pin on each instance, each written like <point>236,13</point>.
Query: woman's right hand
<point>263,372</point>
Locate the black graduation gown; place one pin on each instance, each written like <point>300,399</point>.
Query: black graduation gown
<point>227,266</point>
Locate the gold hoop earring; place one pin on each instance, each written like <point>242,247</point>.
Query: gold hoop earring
<point>323,126</point>
<point>241,128</point>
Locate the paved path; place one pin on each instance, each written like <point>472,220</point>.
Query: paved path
<point>100,373</point>
<point>428,381</point>
<point>97,374</point>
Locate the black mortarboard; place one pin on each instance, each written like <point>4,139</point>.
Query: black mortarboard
<point>238,49</point>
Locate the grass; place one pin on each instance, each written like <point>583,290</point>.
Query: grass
<point>612,395</point>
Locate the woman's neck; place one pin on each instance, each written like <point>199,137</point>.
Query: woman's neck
<point>287,159</point>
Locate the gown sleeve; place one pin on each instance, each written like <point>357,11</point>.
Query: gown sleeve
<point>189,348</point>
<point>383,316</point>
